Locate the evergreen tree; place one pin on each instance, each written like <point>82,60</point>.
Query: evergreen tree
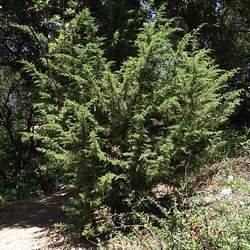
<point>119,132</point>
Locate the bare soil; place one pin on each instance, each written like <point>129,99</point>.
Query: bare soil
<point>29,226</point>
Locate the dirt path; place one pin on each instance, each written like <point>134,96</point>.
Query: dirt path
<point>29,226</point>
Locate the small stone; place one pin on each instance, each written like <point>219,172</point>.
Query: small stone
<point>209,199</point>
<point>226,191</point>
<point>230,178</point>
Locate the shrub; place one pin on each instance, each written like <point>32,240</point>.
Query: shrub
<point>120,132</point>
<point>207,219</point>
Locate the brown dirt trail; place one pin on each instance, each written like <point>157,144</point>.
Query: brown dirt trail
<point>30,226</point>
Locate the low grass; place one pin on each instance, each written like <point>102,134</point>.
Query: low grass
<point>211,211</point>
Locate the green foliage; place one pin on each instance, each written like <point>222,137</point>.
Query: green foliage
<point>204,220</point>
<point>191,230</point>
<point>121,131</point>
<point>13,109</point>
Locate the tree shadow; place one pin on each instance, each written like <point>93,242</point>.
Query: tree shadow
<point>42,213</point>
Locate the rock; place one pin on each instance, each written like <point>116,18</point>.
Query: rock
<point>226,191</point>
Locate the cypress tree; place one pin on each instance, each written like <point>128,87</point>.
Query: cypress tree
<point>119,132</point>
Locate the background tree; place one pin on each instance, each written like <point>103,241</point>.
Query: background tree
<point>17,157</point>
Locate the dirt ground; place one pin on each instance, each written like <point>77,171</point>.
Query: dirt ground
<point>30,226</point>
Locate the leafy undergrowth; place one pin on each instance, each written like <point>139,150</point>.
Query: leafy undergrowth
<point>211,211</point>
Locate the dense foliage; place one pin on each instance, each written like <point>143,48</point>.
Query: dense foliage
<point>113,97</point>
<point>121,131</point>
<point>208,219</point>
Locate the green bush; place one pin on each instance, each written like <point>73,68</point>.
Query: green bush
<point>120,132</point>
<point>207,219</point>
<point>223,226</point>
